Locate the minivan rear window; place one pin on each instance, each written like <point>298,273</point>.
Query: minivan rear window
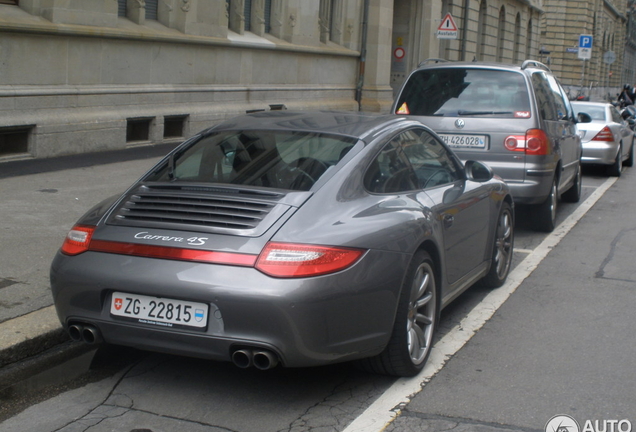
<point>455,92</point>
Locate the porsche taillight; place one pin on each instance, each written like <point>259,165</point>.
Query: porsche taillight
<point>534,142</point>
<point>604,134</point>
<point>287,260</point>
<point>77,240</point>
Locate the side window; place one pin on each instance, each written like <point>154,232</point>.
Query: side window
<point>545,97</point>
<point>390,171</point>
<point>414,159</point>
<point>431,162</point>
<point>564,110</point>
<point>616,116</point>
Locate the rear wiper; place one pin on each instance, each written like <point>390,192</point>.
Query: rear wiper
<point>469,113</point>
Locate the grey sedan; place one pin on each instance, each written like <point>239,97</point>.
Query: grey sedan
<point>299,239</point>
<point>608,139</point>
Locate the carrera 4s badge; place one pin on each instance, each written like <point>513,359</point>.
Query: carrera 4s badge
<point>192,241</point>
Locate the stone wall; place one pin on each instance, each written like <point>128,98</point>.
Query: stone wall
<point>75,77</point>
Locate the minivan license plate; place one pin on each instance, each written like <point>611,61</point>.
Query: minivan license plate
<point>159,311</point>
<point>464,141</point>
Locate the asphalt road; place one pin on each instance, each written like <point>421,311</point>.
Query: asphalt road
<point>561,343</point>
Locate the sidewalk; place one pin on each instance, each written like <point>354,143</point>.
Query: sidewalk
<point>40,200</point>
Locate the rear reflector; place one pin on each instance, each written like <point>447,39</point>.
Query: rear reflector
<point>149,251</point>
<point>296,260</point>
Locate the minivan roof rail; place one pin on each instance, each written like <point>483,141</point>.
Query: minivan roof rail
<point>536,64</point>
<point>432,60</point>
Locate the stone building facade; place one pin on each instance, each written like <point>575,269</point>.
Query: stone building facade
<point>606,21</point>
<point>93,75</point>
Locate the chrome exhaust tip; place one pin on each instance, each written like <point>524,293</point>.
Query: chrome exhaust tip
<point>265,360</point>
<point>91,335</point>
<point>243,358</point>
<point>75,332</point>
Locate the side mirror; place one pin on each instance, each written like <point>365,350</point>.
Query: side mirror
<point>478,171</point>
<point>583,118</point>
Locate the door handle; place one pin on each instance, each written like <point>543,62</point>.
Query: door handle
<point>448,220</point>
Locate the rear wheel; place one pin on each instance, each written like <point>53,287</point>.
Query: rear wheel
<point>545,213</point>
<point>415,323</point>
<point>502,249</point>
<point>616,168</point>
<point>574,193</point>
<point>629,162</point>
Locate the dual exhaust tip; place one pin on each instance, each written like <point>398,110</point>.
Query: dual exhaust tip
<point>243,358</point>
<point>259,358</point>
<point>85,333</point>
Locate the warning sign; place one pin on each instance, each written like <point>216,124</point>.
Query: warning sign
<point>447,29</point>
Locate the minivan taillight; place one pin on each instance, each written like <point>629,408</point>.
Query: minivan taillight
<point>534,142</point>
<point>77,240</point>
<point>288,260</point>
<point>605,134</point>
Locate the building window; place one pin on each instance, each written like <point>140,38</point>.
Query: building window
<point>268,16</point>
<point>481,29</point>
<point>517,44</point>
<point>14,140</point>
<point>9,2</point>
<point>174,126</point>
<point>151,9</point>
<point>121,8</point>
<point>501,37</point>
<point>138,129</point>
<point>247,13</point>
<point>529,40</point>
<point>330,20</point>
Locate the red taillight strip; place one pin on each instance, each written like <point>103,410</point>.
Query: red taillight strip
<point>149,251</point>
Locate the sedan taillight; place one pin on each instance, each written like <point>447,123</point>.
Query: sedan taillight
<point>297,260</point>
<point>605,134</point>
<point>534,142</point>
<point>77,240</point>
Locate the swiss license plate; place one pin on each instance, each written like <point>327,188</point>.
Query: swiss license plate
<point>159,311</point>
<point>464,141</point>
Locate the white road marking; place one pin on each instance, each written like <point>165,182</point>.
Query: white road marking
<point>387,407</point>
<point>525,251</point>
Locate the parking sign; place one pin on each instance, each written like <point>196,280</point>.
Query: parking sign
<point>585,47</point>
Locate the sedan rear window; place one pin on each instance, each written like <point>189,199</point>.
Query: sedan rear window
<point>455,92</point>
<point>283,160</point>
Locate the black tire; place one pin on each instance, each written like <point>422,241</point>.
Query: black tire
<point>545,213</point>
<point>415,323</point>
<point>629,162</point>
<point>502,249</point>
<point>616,169</point>
<point>574,193</point>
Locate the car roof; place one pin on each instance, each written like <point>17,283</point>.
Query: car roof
<point>442,64</point>
<point>349,123</point>
<point>605,104</point>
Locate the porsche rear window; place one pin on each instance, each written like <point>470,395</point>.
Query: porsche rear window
<point>455,92</point>
<point>276,159</point>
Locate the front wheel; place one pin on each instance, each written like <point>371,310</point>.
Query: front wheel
<point>502,249</point>
<point>415,323</point>
<point>545,213</point>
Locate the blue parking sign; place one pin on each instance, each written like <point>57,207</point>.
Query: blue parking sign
<point>585,41</point>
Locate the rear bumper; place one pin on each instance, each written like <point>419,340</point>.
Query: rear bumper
<point>599,152</point>
<point>306,322</point>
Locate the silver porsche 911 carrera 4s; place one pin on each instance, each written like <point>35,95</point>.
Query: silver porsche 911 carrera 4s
<point>293,238</point>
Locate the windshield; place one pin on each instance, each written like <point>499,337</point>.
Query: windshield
<point>284,160</point>
<point>457,92</point>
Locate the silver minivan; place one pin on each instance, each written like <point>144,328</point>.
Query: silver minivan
<point>517,119</point>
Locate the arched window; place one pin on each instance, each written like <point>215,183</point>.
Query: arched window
<point>501,34</point>
<point>529,40</point>
<point>481,29</point>
<point>516,54</point>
